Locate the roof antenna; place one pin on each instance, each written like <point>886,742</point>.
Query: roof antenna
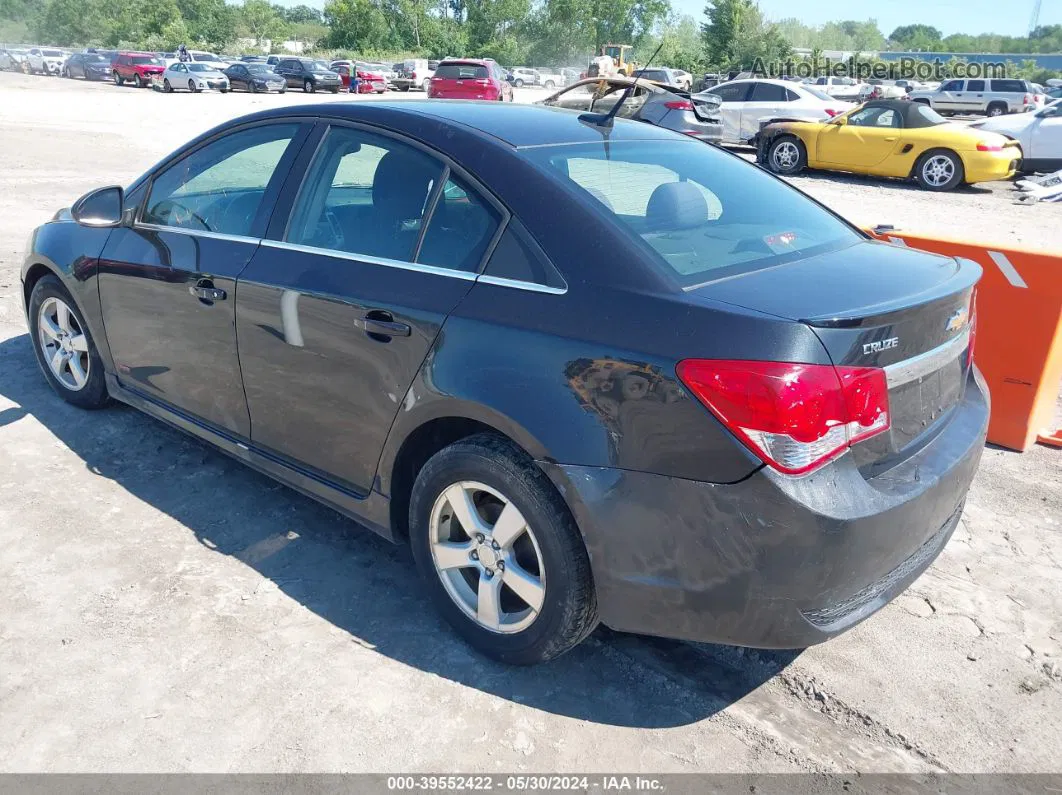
<point>606,120</point>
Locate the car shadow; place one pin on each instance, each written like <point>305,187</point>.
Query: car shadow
<point>365,585</point>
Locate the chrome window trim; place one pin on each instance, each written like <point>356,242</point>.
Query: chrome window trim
<point>467,276</point>
<point>519,284</point>
<point>924,364</point>
<point>197,233</point>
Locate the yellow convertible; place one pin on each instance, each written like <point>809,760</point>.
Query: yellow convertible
<point>891,138</point>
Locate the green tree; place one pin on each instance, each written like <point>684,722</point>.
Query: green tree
<point>301,15</point>
<point>356,25</point>
<point>260,21</point>
<point>735,36</point>
<point>915,37</point>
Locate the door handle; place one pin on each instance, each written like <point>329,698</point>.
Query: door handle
<point>379,324</point>
<point>891,138</point>
<point>205,290</point>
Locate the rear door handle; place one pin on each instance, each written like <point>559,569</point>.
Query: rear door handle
<point>205,290</point>
<point>382,324</point>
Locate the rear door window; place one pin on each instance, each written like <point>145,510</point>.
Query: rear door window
<point>975,85</point>
<point>731,92</point>
<point>461,228</point>
<point>767,92</point>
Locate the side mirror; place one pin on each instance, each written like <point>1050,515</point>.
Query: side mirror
<point>100,208</point>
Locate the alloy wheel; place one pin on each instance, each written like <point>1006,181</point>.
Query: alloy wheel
<point>938,170</point>
<point>64,344</point>
<point>785,156</point>
<point>487,557</point>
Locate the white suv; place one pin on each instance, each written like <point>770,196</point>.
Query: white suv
<point>45,61</point>
<point>992,97</point>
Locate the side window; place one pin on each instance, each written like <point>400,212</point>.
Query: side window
<point>364,194</point>
<point>952,85</point>
<point>874,117</point>
<point>791,96</point>
<point>578,98</point>
<point>1010,86</point>
<point>517,257</point>
<point>731,92</point>
<point>220,187</point>
<point>975,85</point>
<point>767,92</point>
<point>460,230</point>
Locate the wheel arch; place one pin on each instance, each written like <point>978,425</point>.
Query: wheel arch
<point>928,150</point>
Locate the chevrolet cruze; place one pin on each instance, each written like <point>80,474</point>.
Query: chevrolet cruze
<point>590,370</point>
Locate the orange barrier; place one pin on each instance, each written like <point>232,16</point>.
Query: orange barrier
<point>1019,334</point>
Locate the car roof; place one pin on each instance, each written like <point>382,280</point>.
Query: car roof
<point>516,125</point>
<point>464,61</point>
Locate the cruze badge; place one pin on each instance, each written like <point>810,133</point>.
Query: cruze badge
<point>956,321</point>
<point>881,345</point>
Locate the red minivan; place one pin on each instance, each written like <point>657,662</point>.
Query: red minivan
<point>470,79</point>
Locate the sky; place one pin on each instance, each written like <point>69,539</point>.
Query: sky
<point>948,16</point>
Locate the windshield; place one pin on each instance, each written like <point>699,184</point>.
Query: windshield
<point>259,69</point>
<point>818,94</point>
<point>319,66</point>
<point>144,59</point>
<point>705,213</point>
<point>53,53</point>
<point>92,58</point>
<point>200,67</point>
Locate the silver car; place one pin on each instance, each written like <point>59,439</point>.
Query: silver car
<point>660,105</point>
<point>991,97</point>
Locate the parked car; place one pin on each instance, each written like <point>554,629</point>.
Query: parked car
<point>659,105</point>
<point>13,60</point>
<point>255,77</point>
<point>685,79</point>
<point>667,77</point>
<point>1053,93</point>
<point>139,68</point>
<point>414,73</point>
<point>523,76</point>
<point>549,79</point>
<point>843,88</point>
<point>493,372</point>
<point>470,79</point>
<point>45,61</point>
<point>1039,134</point>
<point>87,65</point>
<point>991,97</point>
<point>880,89</point>
<point>216,61</point>
<point>193,77</point>
<point>891,138</point>
<point>254,59</point>
<point>309,75</point>
<point>750,104</point>
<point>273,60</point>
<point>371,80</point>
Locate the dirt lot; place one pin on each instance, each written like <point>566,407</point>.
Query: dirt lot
<point>166,609</point>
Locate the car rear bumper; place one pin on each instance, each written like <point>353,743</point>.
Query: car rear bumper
<point>990,166</point>
<point>772,561</point>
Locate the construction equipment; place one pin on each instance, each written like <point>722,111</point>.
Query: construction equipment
<point>612,61</point>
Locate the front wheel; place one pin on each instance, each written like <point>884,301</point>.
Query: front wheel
<point>787,156</point>
<point>137,82</point>
<point>519,83</point>
<point>939,170</point>
<point>192,88</point>
<point>334,90</point>
<point>308,87</point>
<point>63,346</point>
<point>166,87</point>
<point>500,553</point>
<point>252,87</point>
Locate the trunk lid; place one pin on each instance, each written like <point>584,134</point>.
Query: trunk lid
<point>878,305</point>
<point>706,106</point>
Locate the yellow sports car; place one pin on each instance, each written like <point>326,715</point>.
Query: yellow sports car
<point>891,138</point>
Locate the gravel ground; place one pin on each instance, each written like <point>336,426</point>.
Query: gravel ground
<point>166,609</point>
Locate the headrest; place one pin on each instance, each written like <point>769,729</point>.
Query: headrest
<point>674,206</point>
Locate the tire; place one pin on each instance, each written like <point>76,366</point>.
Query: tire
<point>549,85</point>
<point>493,469</point>
<point>996,109</point>
<point>137,82</point>
<point>308,87</point>
<point>425,83</point>
<point>518,83</point>
<point>192,88</point>
<point>404,88</point>
<point>117,79</point>
<point>939,170</point>
<point>787,156</point>
<point>166,87</point>
<point>48,294</point>
<point>253,87</point>
<point>334,90</point>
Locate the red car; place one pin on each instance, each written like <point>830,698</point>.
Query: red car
<point>371,82</point>
<point>470,79</point>
<point>136,67</point>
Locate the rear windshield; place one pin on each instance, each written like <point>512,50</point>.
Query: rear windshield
<point>705,213</point>
<point>818,94</point>
<point>653,74</point>
<point>461,71</point>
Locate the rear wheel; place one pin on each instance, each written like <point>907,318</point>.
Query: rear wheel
<point>308,87</point>
<point>787,155</point>
<point>63,346</point>
<point>500,553</point>
<point>939,170</point>
<point>519,83</point>
<point>549,84</point>
<point>425,83</point>
<point>997,109</point>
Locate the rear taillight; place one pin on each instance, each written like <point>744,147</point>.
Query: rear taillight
<point>983,147</point>
<point>1027,99</point>
<point>679,104</point>
<point>795,417</point>
<point>973,329</point>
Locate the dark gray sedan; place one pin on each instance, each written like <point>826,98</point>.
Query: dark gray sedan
<point>255,77</point>
<point>663,106</point>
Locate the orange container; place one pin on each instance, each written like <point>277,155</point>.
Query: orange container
<point>1019,334</point>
